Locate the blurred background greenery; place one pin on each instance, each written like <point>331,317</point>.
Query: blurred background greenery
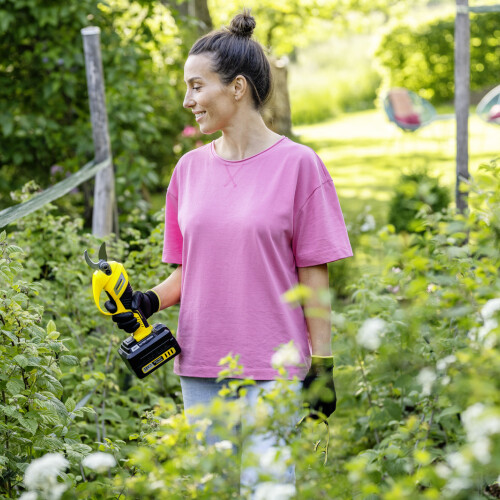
<point>334,61</point>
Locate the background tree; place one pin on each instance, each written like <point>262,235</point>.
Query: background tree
<point>45,126</point>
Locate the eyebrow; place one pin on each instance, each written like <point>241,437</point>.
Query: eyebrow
<point>193,78</point>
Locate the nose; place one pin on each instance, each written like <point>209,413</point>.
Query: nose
<point>188,100</point>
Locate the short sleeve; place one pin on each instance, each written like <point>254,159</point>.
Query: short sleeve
<point>319,231</point>
<point>173,241</point>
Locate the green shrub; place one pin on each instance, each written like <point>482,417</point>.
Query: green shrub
<point>54,247</point>
<point>416,195</point>
<point>33,420</point>
<point>421,58</point>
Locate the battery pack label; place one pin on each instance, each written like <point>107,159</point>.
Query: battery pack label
<point>159,360</point>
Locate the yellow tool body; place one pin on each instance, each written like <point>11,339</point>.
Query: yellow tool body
<point>117,287</point>
<point>150,346</point>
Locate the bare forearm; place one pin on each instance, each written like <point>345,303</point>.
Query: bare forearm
<point>169,290</point>
<point>317,312</point>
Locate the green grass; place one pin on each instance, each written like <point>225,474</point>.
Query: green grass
<point>366,154</point>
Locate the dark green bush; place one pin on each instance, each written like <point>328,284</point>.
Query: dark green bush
<point>416,194</point>
<point>44,120</point>
<point>421,58</point>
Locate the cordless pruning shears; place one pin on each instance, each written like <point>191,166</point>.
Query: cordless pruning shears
<point>150,346</point>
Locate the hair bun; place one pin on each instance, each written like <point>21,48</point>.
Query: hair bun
<point>242,25</point>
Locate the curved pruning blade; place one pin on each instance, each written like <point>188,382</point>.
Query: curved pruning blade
<point>93,265</point>
<point>102,252</point>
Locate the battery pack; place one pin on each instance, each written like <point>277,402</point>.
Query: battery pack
<point>153,351</point>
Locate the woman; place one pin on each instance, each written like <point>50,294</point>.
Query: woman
<point>248,216</point>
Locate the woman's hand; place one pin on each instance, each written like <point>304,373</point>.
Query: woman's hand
<point>164,295</point>
<point>148,303</point>
<point>319,387</point>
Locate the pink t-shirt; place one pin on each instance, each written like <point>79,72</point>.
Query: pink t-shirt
<point>240,229</point>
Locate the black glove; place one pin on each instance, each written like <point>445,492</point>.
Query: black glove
<point>319,387</point>
<point>148,303</point>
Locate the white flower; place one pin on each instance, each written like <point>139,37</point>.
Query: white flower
<point>470,419</point>
<point>459,464</point>
<point>478,423</point>
<point>223,445</point>
<point>29,495</point>
<point>489,325</point>
<point>442,470</point>
<point>338,320</point>
<point>274,491</point>
<point>370,333</point>
<point>286,355</point>
<point>369,224</point>
<point>99,461</point>
<point>42,473</point>
<point>157,484</point>
<point>206,478</point>
<point>274,460</point>
<point>490,308</point>
<point>426,378</point>
<point>481,450</point>
<point>443,363</point>
<point>457,484</point>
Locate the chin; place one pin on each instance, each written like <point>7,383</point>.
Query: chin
<point>208,131</point>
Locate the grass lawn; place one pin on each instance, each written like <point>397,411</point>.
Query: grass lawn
<point>365,155</point>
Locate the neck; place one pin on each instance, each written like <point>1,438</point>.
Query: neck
<point>248,137</point>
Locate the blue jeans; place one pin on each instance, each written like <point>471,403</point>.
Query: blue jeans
<point>198,391</point>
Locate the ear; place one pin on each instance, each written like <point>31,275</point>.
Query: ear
<point>240,87</point>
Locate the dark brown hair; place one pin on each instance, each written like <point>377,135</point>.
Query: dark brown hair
<point>234,53</point>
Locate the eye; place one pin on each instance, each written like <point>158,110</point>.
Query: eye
<point>198,87</point>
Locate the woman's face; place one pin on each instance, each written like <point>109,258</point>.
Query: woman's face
<point>212,102</point>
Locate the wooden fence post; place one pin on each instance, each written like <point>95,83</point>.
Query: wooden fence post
<point>104,190</point>
<point>462,90</point>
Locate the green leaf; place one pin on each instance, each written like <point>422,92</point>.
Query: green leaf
<point>69,360</point>
<point>87,409</point>
<point>21,360</point>
<point>70,404</point>
<point>29,424</point>
<point>3,235</point>
<point>452,410</point>
<point>133,437</point>
<point>48,443</point>
<point>14,249</point>
<point>15,386</point>
<point>10,335</point>
<point>8,410</point>
<point>51,327</point>
<point>52,384</point>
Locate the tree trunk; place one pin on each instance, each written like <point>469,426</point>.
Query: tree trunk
<point>193,8</point>
<point>202,13</point>
<point>276,112</point>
